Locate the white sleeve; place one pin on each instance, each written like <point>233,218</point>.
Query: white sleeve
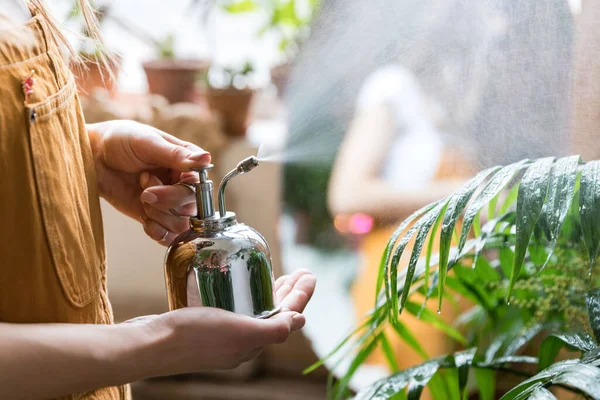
<point>397,88</point>
<point>414,156</point>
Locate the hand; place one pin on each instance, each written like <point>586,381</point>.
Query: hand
<point>132,157</point>
<point>204,338</point>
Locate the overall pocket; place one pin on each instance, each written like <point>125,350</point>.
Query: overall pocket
<point>67,190</point>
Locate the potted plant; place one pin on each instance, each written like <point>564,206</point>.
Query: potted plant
<point>172,77</point>
<point>292,28</point>
<point>91,74</point>
<point>520,244</point>
<point>289,21</point>
<point>228,93</point>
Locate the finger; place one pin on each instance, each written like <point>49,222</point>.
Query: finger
<point>167,220</point>
<point>158,232</point>
<point>193,148</point>
<point>288,285</point>
<point>178,176</point>
<point>148,180</point>
<point>176,141</point>
<point>298,322</point>
<point>169,196</point>
<point>280,281</point>
<point>300,294</point>
<point>163,151</point>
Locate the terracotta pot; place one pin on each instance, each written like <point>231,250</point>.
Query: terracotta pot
<point>92,76</point>
<point>174,79</point>
<point>233,106</point>
<point>280,75</point>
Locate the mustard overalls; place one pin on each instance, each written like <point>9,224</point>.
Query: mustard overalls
<point>52,254</point>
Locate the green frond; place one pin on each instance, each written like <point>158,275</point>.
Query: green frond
<point>528,232</point>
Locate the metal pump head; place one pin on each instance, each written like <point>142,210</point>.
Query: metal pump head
<point>204,194</point>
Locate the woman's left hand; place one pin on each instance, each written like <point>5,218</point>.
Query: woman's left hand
<point>136,166</point>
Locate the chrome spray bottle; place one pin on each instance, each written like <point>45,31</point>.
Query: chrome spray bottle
<point>219,262</point>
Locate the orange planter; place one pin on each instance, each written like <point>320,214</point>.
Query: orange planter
<point>233,106</point>
<point>174,79</point>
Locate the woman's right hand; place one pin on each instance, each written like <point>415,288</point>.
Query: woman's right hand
<point>197,339</point>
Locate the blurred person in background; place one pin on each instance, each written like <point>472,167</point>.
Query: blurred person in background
<point>404,165</point>
<point>56,332</point>
<point>404,127</point>
<point>466,86</point>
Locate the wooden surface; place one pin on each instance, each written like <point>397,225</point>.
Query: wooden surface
<point>266,388</point>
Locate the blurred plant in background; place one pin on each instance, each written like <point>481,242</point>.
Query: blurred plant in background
<point>230,77</point>
<point>288,20</point>
<point>229,93</point>
<point>529,273</point>
<point>304,197</point>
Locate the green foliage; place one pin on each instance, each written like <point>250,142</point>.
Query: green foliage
<point>304,197</point>
<point>289,20</point>
<point>241,6</point>
<point>166,47</point>
<point>230,77</point>
<point>528,233</point>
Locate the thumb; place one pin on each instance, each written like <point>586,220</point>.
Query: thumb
<point>276,329</point>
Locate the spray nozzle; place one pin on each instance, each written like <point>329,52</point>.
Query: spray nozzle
<point>247,164</point>
<point>243,166</point>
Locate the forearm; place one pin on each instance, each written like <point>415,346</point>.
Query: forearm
<point>378,199</point>
<point>51,360</point>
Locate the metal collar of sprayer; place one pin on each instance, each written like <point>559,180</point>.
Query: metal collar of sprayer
<point>206,217</point>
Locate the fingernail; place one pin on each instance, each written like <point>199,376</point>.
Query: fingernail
<point>201,156</point>
<point>144,178</point>
<point>148,197</point>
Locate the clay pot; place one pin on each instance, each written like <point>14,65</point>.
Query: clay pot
<point>174,79</point>
<point>91,76</point>
<point>280,75</point>
<point>233,107</point>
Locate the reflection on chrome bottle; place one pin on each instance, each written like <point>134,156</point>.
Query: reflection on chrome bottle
<point>220,262</point>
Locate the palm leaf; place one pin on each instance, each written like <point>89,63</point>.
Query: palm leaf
<point>405,333</point>
<point>574,374</point>
<point>553,343</point>
<point>494,186</point>
<point>486,383</point>
<point>424,226</point>
<point>389,353</point>
<point>456,205</point>
<point>530,201</point>
<point>341,387</point>
<point>589,207</point>
<point>593,306</point>
<point>385,259</point>
<point>560,196</point>
<point>542,393</point>
<point>417,377</point>
<point>556,215</point>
